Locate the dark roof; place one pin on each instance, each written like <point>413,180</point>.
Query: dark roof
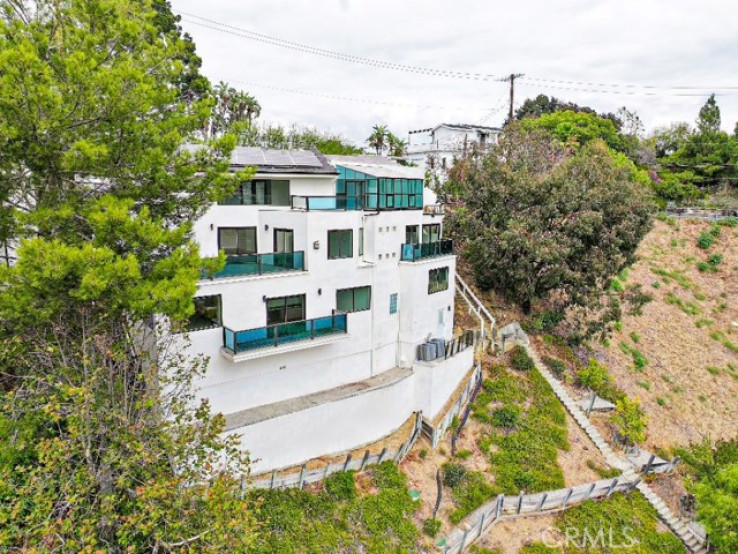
<point>272,160</point>
<point>467,126</point>
<point>269,160</point>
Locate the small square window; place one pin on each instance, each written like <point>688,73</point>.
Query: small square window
<point>207,313</point>
<point>393,303</point>
<point>380,256</point>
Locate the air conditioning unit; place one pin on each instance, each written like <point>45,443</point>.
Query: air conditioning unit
<point>427,352</point>
<point>440,347</point>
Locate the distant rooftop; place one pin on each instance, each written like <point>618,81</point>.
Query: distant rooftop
<point>461,126</point>
<point>378,166</point>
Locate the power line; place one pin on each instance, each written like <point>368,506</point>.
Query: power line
<point>349,98</point>
<point>545,83</point>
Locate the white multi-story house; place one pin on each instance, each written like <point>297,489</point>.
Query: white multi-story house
<point>337,276</point>
<point>435,148</point>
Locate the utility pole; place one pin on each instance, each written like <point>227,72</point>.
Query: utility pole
<point>511,80</point>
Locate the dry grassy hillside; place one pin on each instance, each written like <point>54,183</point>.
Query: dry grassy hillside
<point>681,356</point>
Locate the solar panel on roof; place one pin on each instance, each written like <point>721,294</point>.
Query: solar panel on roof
<point>248,156</point>
<point>277,157</point>
<point>305,158</point>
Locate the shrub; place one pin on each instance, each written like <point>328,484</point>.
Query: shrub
<point>520,360</point>
<point>635,337</point>
<point>453,474</point>
<point>506,417</point>
<point>556,366</point>
<point>423,453</point>
<point>431,527</point>
<point>340,485</point>
<point>616,285</point>
<point>705,240</point>
<point>715,260</point>
<point>594,376</point>
<point>661,402</point>
<point>630,420</point>
<point>470,493</point>
<point>644,385</point>
<point>618,325</point>
<point>463,454</point>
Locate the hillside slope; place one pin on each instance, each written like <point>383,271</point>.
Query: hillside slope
<point>681,356</point>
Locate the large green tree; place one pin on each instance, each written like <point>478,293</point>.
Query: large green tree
<point>102,445</point>
<point>538,221</point>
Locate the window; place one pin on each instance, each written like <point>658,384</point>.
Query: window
<point>284,240</point>
<point>411,234</point>
<point>431,233</point>
<point>393,303</point>
<point>260,193</point>
<point>207,313</point>
<point>353,300</point>
<point>361,241</point>
<point>285,309</point>
<point>237,241</point>
<point>340,244</point>
<point>437,280</point>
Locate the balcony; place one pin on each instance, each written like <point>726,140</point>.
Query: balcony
<point>327,203</point>
<point>260,264</point>
<point>283,337</point>
<point>434,209</point>
<point>415,252</point>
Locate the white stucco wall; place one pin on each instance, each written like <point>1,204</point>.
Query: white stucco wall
<point>436,381</point>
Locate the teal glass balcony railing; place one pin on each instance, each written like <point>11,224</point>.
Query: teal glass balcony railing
<point>415,252</point>
<point>275,335</point>
<point>260,264</point>
<point>327,203</point>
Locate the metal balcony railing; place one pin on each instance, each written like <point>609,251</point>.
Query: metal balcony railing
<point>415,252</point>
<point>275,335</point>
<point>260,264</point>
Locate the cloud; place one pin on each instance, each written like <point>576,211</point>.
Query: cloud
<point>628,42</point>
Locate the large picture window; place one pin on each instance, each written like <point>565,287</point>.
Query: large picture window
<point>285,309</point>
<point>356,299</point>
<point>207,313</point>
<point>261,193</point>
<point>284,240</point>
<point>340,244</point>
<point>431,233</point>
<point>437,280</point>
<point>237,241</point>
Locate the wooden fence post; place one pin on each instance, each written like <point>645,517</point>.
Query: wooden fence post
<point>439,494</point>
<point>327,468</point>
<point>463,540</point>
<point>646,468</point>
<point>634,484</point>
<point>591,403</point>
<point>381,455</point>
<point>363,462</point>
<point>274,478</point>
<point>301,483</point>
<point>612,487</point>
<point>673,464</point>
<point>567,497</point>
<point>481,524</point>
<point>498,509</point>
<point>348,460</point>
<point>589,492</point>
<point>520,502</point>
<point>543,501</point>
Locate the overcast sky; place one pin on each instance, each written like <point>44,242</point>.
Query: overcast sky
<point>659,43</point>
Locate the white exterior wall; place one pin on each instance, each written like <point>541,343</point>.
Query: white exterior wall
<point>377,341</point>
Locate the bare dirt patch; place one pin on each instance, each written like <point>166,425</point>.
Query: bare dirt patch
<point>511,535</point>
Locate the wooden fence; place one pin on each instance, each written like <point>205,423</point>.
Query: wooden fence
<point>508,507</point>
<point>304,476</point>
<point>435,434</point>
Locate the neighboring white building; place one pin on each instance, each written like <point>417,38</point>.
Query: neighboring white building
<point>337,272</point>
<point>435,148</point>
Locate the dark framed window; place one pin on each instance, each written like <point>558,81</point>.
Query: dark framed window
<point>285,309</point>
<point>207,313</point>
<point>412,234</point>
<point>260,192</point>
<point>356,299</point>
<point>340,244</point>
<point>431,233</point>
<point>236,241</point>
<point>437,280</point>
<point>284,240</point>
<point>393,303</point>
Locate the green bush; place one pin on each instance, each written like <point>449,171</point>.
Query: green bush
<point>520,360</point>
<point>557,367</point>
<point>463,454</point>
<point>340,486</point>
<point>705,240</point>
<point>470,493</point>
<point>431,527</point>
<point>506,417</point>
<point>715,259</point>
<point>453,474</point>
<point>616,285</point>
<point>596,377</point>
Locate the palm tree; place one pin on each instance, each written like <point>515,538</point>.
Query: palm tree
<point>397,146</point>
<point>378,138</point>
<point>233,107</point>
